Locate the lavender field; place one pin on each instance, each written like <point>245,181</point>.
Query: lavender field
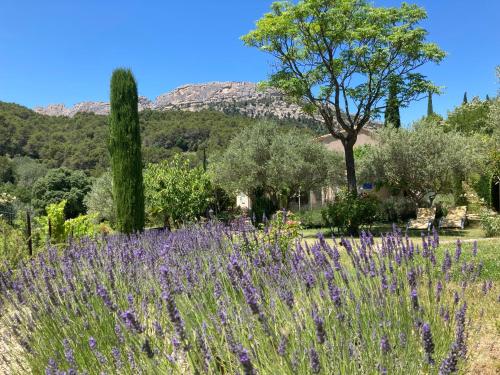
<point>218,299</point>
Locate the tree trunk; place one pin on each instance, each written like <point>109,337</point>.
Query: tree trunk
<point>348,144</point>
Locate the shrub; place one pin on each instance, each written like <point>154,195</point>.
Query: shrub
<point>311,218</point>
<point>348,211</point>
<point>490,223</point>
<point>12,244</point>
<point>396,209</point>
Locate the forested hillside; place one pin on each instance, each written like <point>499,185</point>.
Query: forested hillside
<point>80,142</point>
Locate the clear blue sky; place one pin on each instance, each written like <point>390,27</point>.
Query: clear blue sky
<point>64,51</point>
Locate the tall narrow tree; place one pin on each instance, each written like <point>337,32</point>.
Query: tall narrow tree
<point>125,150</point>
<point>430,108</point>
<point>392,117</point>
<point>465,101</point>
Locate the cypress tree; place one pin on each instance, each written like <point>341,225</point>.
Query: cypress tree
<point>430,109</point>
<point>487,98</point>
<point>465,101</point>
<point>125,150</point>
<point>392,107</point>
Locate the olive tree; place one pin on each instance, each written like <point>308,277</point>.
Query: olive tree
<point>421,161</point>
<point>336,59</point>
<point>275,161</point>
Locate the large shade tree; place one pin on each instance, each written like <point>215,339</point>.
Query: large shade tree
<point>335,58</point>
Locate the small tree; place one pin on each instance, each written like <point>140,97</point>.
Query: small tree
<point>125,150</point>
<point>465,101</point>
<point>392,117</point>
<point>335,59</point>
<point>175,192</point>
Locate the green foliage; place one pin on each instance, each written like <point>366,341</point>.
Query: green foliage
<point>125,151</point>
<point>490,224</point>
<point>311,218</point>
<point>7,206</point>
<point>12,244</point>
<point>283,229</point>
<point>81,226</point>
<point>61,184</point>
<point>421,160</point>
<point>99,200</point>
<point>482,186</point>
<point>80,142</point>
<point>6,170</point>
<point>396,209</point>
<point>175,192</point>
<point>348,211</point>
<point>471,118</point>
<point>273,161</point>
<point>336,59</point>
<point>465,100</point>
<point>53,223</point>
<point>392,117</point>
<point>61,229</point>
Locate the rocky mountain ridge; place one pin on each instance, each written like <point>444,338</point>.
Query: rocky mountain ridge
<point>244,98</point>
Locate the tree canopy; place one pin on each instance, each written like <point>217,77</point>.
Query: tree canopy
<point>421,160</point>
<point>58,185</point>
<point>335,58</point>
<point>275,160</point>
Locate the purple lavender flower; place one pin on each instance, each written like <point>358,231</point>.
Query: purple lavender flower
<point>174,314</point>
<point>130,320</point>
<point>449,364</point>
<point>117,357</point>
<point>335,294</point>
<point>414,299</point>
<point>446,262</point>
<point>68,353</point>
<point>92,343</point>
<point>428,343</point>
<point>458,251</point>
<point>385,346</point>
<point>103,293</point>
<point>314,361</point>
<point>319,324</point>
<point>412,278</point>
<point>119,333</point>
<point>245,361</point>
<point>460,330</point>
<point>474,248</point>
<point>439,289</point>
<point>456,298</point>
<point>282,345</point>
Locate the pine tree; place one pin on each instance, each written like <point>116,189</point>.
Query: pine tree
<point>487,98</point>
<point>465,101</point>
<point>392,117</point>
<point>430,109</point>
<point>125,150</point>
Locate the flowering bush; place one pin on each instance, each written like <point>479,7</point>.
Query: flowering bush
<point>192,302</point>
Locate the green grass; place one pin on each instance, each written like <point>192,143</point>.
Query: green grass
<point>471,232</point>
